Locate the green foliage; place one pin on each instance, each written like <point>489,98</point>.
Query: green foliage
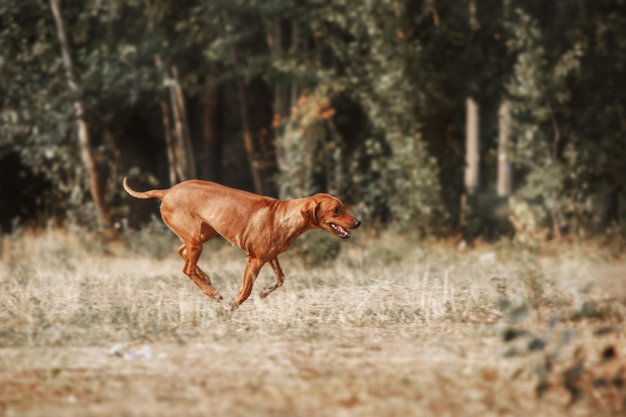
<point>562,162</point>
<point>309,150</point>
<point>391,165</point>
<point>115,47</point>
<point>395,74</point>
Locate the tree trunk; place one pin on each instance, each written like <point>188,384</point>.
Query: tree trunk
<point>243,110</point>
<point>433,10</point>
<point>505,171</point>
<point>170,146</point>
<point>181,122</point>
<point>102,211</point>
<point>274,40</point>
<point>176,129</point>
<point>472,147</point>
<point>180,154</point>
<point>472,129</point>
<point>211,158</point>
<point>285,95</point>
<point>282,38</point>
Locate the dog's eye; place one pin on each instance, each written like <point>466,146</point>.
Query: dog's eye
<point>337,210</point>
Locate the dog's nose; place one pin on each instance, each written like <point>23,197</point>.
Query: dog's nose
<point>357,223</point>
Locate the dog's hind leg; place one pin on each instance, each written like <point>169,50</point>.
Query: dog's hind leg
<point>192,238</point>
<point>191,253</point>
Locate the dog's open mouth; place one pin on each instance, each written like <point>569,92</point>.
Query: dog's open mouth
<point>340,230</point>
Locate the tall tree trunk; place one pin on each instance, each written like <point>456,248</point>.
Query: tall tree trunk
<point>471,177</point>
<point>472,146</point>
<point>281,104</point>
<point>285,95</point>
<point>472,135</point>
<point>170,146</point>
<point>274,40</point>
<point>244,113</point>
<point>180,153</point>
<point>84,141</point>
<point>184,148</point>
<point>212,150</point>
<point>505,171</point>
<point>433,10</point>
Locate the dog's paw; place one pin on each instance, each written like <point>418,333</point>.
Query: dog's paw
<point>267,290</point>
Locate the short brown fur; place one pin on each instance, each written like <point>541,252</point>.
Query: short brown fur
<point>262,226</point>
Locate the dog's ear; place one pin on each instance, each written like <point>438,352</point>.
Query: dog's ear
<point>309,211</point>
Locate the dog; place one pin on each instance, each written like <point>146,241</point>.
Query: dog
<point>263,227</point>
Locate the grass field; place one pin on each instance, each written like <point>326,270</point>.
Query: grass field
<point>389,329</point>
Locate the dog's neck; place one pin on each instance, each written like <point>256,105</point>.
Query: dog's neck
<point>290,218</point>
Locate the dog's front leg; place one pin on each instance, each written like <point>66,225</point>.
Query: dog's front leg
<point>280,278</point>
<point>249,276</point>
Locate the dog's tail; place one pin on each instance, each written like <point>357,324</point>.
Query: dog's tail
<point>146,194</point>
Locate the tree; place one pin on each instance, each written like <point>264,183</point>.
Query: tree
<point>505,170</point>
<point>33,97</point>
<point>370,57</point>
<point>565,112</point>
<point>243,109</point>
<point>472,125</point>
<point>103,213</point>
<point>395,89</point>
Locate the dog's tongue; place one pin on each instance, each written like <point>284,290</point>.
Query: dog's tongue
<point>344,232</point>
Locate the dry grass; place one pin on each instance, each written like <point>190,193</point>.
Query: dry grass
<point>389,329</point>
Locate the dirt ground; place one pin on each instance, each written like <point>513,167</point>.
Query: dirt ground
<point>438,373</point>
<point>257,376</point>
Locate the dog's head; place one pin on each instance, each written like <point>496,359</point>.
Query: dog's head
<point>329,213</point>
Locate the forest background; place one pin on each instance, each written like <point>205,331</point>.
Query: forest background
<point>439,118</point>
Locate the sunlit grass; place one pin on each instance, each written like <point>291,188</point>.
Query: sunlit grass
<point>391,328</point>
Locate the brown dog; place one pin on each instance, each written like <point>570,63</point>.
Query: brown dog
<point>262,226</point>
